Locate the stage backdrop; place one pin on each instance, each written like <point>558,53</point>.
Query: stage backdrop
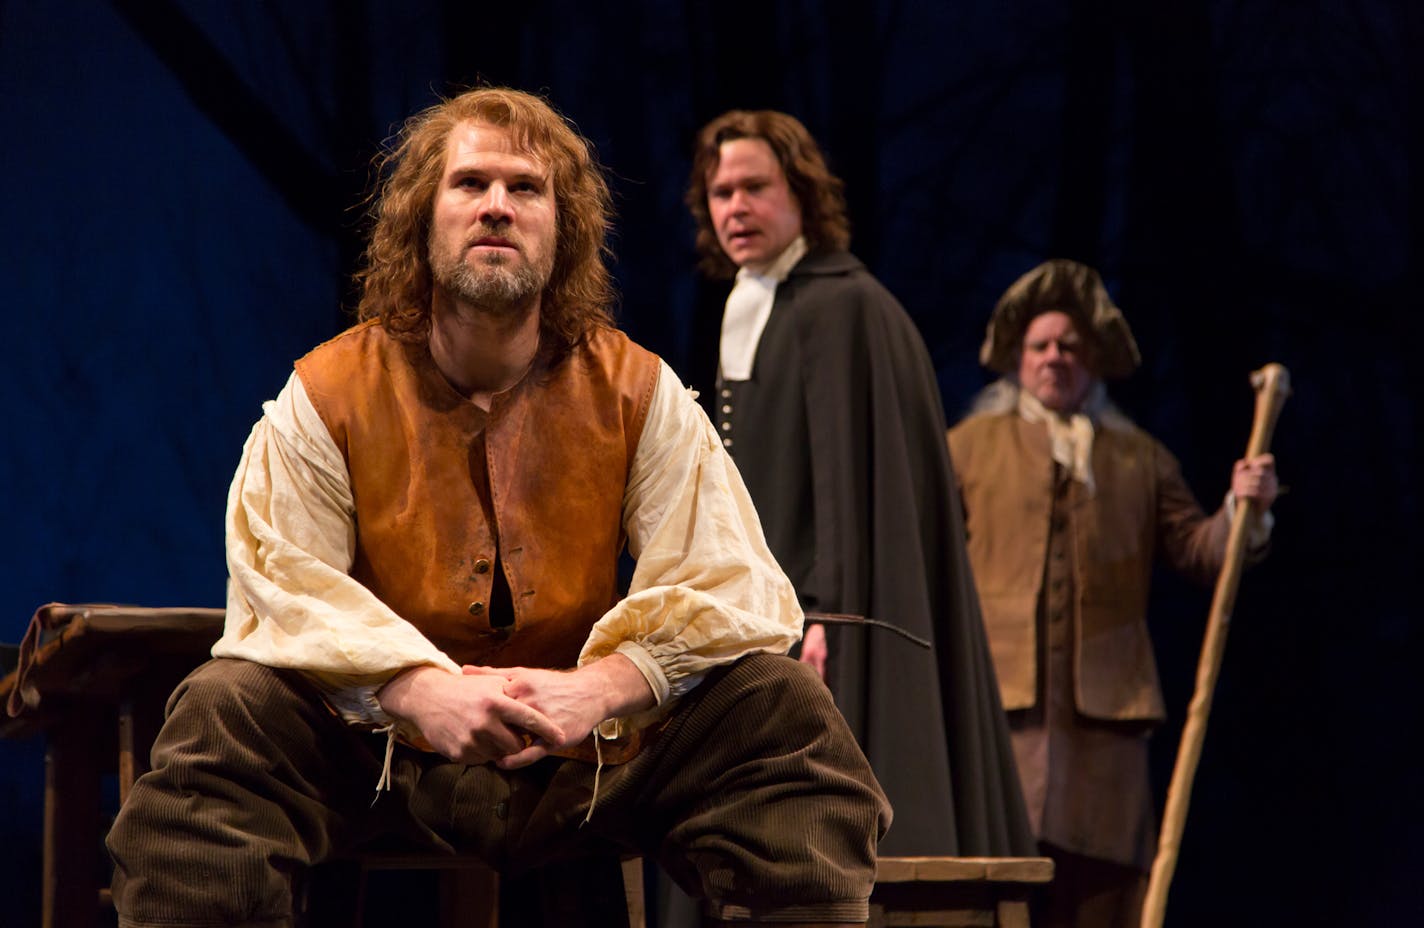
<point>179,214</point>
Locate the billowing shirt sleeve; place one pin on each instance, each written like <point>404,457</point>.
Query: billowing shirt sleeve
<point>291,539</point>
<point>706,590</point>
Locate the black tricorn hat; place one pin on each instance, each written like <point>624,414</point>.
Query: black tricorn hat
<point>1068,287</point>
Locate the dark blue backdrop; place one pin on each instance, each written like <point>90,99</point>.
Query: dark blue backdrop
<point>176,215</point>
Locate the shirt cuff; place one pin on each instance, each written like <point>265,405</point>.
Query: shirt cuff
<point>358,705</point>
<point>1258,534</point>
<point>657,680</point>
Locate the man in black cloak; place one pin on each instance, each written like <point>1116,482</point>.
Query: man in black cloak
<point>828,403</point>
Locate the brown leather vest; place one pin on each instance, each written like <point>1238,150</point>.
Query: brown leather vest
<point>444,492</point>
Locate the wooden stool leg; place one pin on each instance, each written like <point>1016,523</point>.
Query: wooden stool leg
<point>70,894</point>
<point>633,892</point>
<point>469,898</point>
<point>1013,913</point>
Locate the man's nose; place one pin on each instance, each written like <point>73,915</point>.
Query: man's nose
<point>494,206</point>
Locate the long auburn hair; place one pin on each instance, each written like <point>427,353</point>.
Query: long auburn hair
<point>820,193</point>
<point>395,276</point>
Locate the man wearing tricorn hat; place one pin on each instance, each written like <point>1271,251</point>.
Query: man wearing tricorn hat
<point>1067,504</point>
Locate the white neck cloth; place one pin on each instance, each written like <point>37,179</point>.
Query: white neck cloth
<point>1070,438</point>
<point>748,308</point>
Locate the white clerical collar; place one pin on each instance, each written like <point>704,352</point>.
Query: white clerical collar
<point>749,307</point>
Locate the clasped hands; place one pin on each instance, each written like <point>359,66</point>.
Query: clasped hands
<point>513,716</point>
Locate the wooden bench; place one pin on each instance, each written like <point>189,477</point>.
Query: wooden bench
<point>93,680</point>
<point>952,892</point>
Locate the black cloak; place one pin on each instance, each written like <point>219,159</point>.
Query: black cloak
<point>840,437</point>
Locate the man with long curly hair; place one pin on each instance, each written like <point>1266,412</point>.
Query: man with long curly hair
<point>423,539</point>
<point>827,401</point>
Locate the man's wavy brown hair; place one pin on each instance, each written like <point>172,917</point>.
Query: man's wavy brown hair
<point>395,277</point>
<point>820,193</point>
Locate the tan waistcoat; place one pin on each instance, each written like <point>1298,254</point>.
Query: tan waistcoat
<point>444,491</point>
<point>1142,508</point>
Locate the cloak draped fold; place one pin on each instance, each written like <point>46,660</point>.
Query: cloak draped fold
<point>839,435</point>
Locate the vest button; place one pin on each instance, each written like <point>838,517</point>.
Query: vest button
<point>476,608</point>
<point>482,566</point>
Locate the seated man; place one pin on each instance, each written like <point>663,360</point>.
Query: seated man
<point>423,537</point>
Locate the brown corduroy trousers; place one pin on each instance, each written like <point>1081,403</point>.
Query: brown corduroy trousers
<point>753,795</point>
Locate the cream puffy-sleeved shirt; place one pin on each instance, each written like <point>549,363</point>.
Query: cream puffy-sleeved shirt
<point>706,590</point>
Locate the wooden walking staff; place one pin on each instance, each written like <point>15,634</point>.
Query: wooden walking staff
<point>1272,384</point>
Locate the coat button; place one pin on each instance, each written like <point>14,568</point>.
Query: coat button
<point>482,566</point>
<point>476,608</point>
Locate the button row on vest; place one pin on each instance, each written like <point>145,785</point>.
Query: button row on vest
<point>476,608</point>
<point>482,566</point>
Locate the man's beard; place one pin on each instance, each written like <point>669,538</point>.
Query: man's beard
<point>494,283</point>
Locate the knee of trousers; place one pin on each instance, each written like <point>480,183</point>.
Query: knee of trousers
<point>783,704</point>
<point>787,810</point>
<point>230,706</point>
<point>240,795</point>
